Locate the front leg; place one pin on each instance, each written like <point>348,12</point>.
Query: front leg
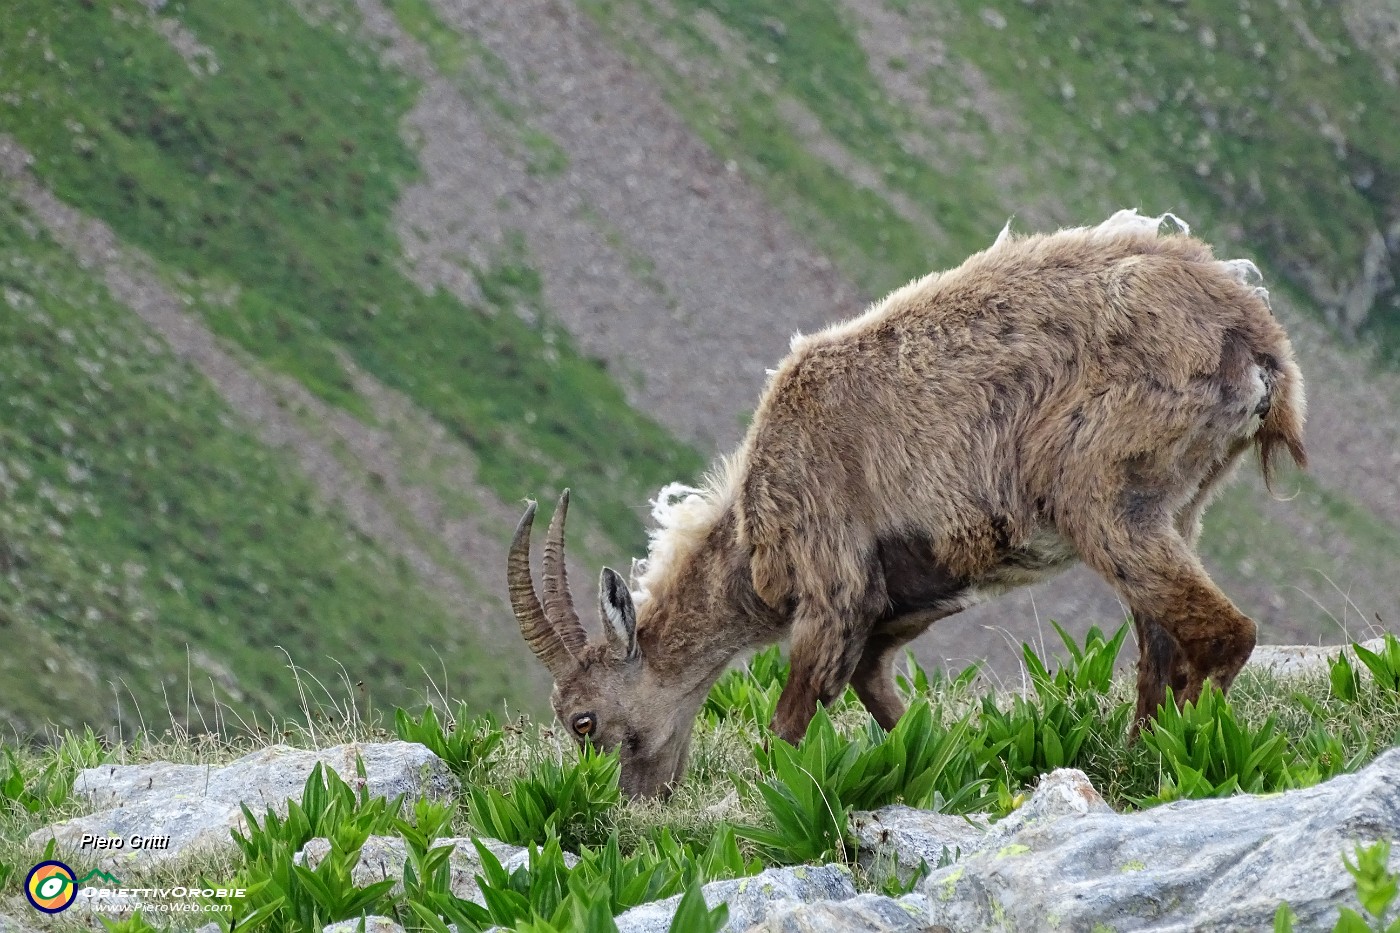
<point>826,647</point>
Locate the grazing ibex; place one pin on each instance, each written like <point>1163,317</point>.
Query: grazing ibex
<point>1073,396</point>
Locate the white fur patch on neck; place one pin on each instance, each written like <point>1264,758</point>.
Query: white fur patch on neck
<point>683,516</point>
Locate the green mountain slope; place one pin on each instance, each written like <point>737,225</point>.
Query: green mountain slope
<point>260,154</point>
<point>1268,120</point>
<point>273,179</point>
<point>151,548</point>
<point>259,173</point>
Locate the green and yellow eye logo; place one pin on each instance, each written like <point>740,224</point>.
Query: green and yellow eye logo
<point>51,887</point>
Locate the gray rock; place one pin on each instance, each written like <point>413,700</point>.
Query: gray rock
<point>10,925</point>
<point>384,857</point>
<point>1062,792</point>
<point>1195,865</point>
<point>750,900</point>
<point>195,806</point>
<point>370,925</point>
<point>865,913</point>
<point>1306,660</point>
<point>895,840</point>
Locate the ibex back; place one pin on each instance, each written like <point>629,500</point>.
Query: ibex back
<point>1073,396</point>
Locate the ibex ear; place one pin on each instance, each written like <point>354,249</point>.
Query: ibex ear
<point>619,615</point>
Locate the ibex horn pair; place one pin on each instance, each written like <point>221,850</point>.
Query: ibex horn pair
<point>552,630</point>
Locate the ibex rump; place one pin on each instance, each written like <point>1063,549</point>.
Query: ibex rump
<point>1062,397</point>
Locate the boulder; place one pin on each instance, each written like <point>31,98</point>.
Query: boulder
<point>384,857</point>
<point>897,840</point>
<point>8,925</point>
<point>1306,660</point>
<point>865,913</point>
<point>185,808</point>
<point>1199,865</point>
<point>750,900</point>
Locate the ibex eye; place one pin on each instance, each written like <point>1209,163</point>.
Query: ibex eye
<point>583,723</point>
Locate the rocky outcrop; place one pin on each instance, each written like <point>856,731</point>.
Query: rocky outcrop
<point>1306,660</point>
<point>865,913</point>
<point>900,840</point>
<point>8,925</point>
<point>189,807</point>
<point>1193,865</point>
<point>751,900</point>
<point>384,857</point>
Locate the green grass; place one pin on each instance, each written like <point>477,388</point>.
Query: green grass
<point>274,181</point>
<point>145,530</point>
<point>792,805</point>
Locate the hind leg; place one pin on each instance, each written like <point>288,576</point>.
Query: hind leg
<point>1161,663</point>
<point>1153,568</point>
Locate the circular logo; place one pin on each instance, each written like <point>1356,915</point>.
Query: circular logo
<point>51,887</point>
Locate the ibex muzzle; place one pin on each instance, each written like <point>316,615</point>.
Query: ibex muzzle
<point>1077,396</point>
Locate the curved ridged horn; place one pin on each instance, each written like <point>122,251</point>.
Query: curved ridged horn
<point>534,625</point>
<point>558,602</point>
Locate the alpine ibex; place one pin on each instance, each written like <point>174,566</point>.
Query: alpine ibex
<point>1072,396</point>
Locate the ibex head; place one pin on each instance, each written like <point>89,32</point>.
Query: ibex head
<point>604,693</point>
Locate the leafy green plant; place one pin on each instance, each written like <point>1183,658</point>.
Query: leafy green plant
<point>720,858</point>
<point>465,742</point>
<point>31,792</point>
<point>567,800</point>
<point>546,894</point>
<point>914,681</point>
<point>1207,752</point>
<point>1090,667</point>
<point>48,786</point>
<point>749,693</point>
<point>133,924</point>
<point>809,790</point>
<point>1384,665</point>
<point>1377,888</point>
<point>1051,730</point>
<point>286,896</point>
<point>1344,683</point>
<point>1031,738</point>
<point>1321,754</point>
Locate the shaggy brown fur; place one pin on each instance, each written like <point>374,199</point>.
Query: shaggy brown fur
<point>1073,396</point>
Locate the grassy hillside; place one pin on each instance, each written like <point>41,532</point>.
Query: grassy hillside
<point>151,548</point>
<point>259,153</point>
<point>260,177</point>
<point>272,179</point>
<point>1266,120</point>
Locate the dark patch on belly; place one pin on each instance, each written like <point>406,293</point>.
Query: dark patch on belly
<point>915,580</point>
